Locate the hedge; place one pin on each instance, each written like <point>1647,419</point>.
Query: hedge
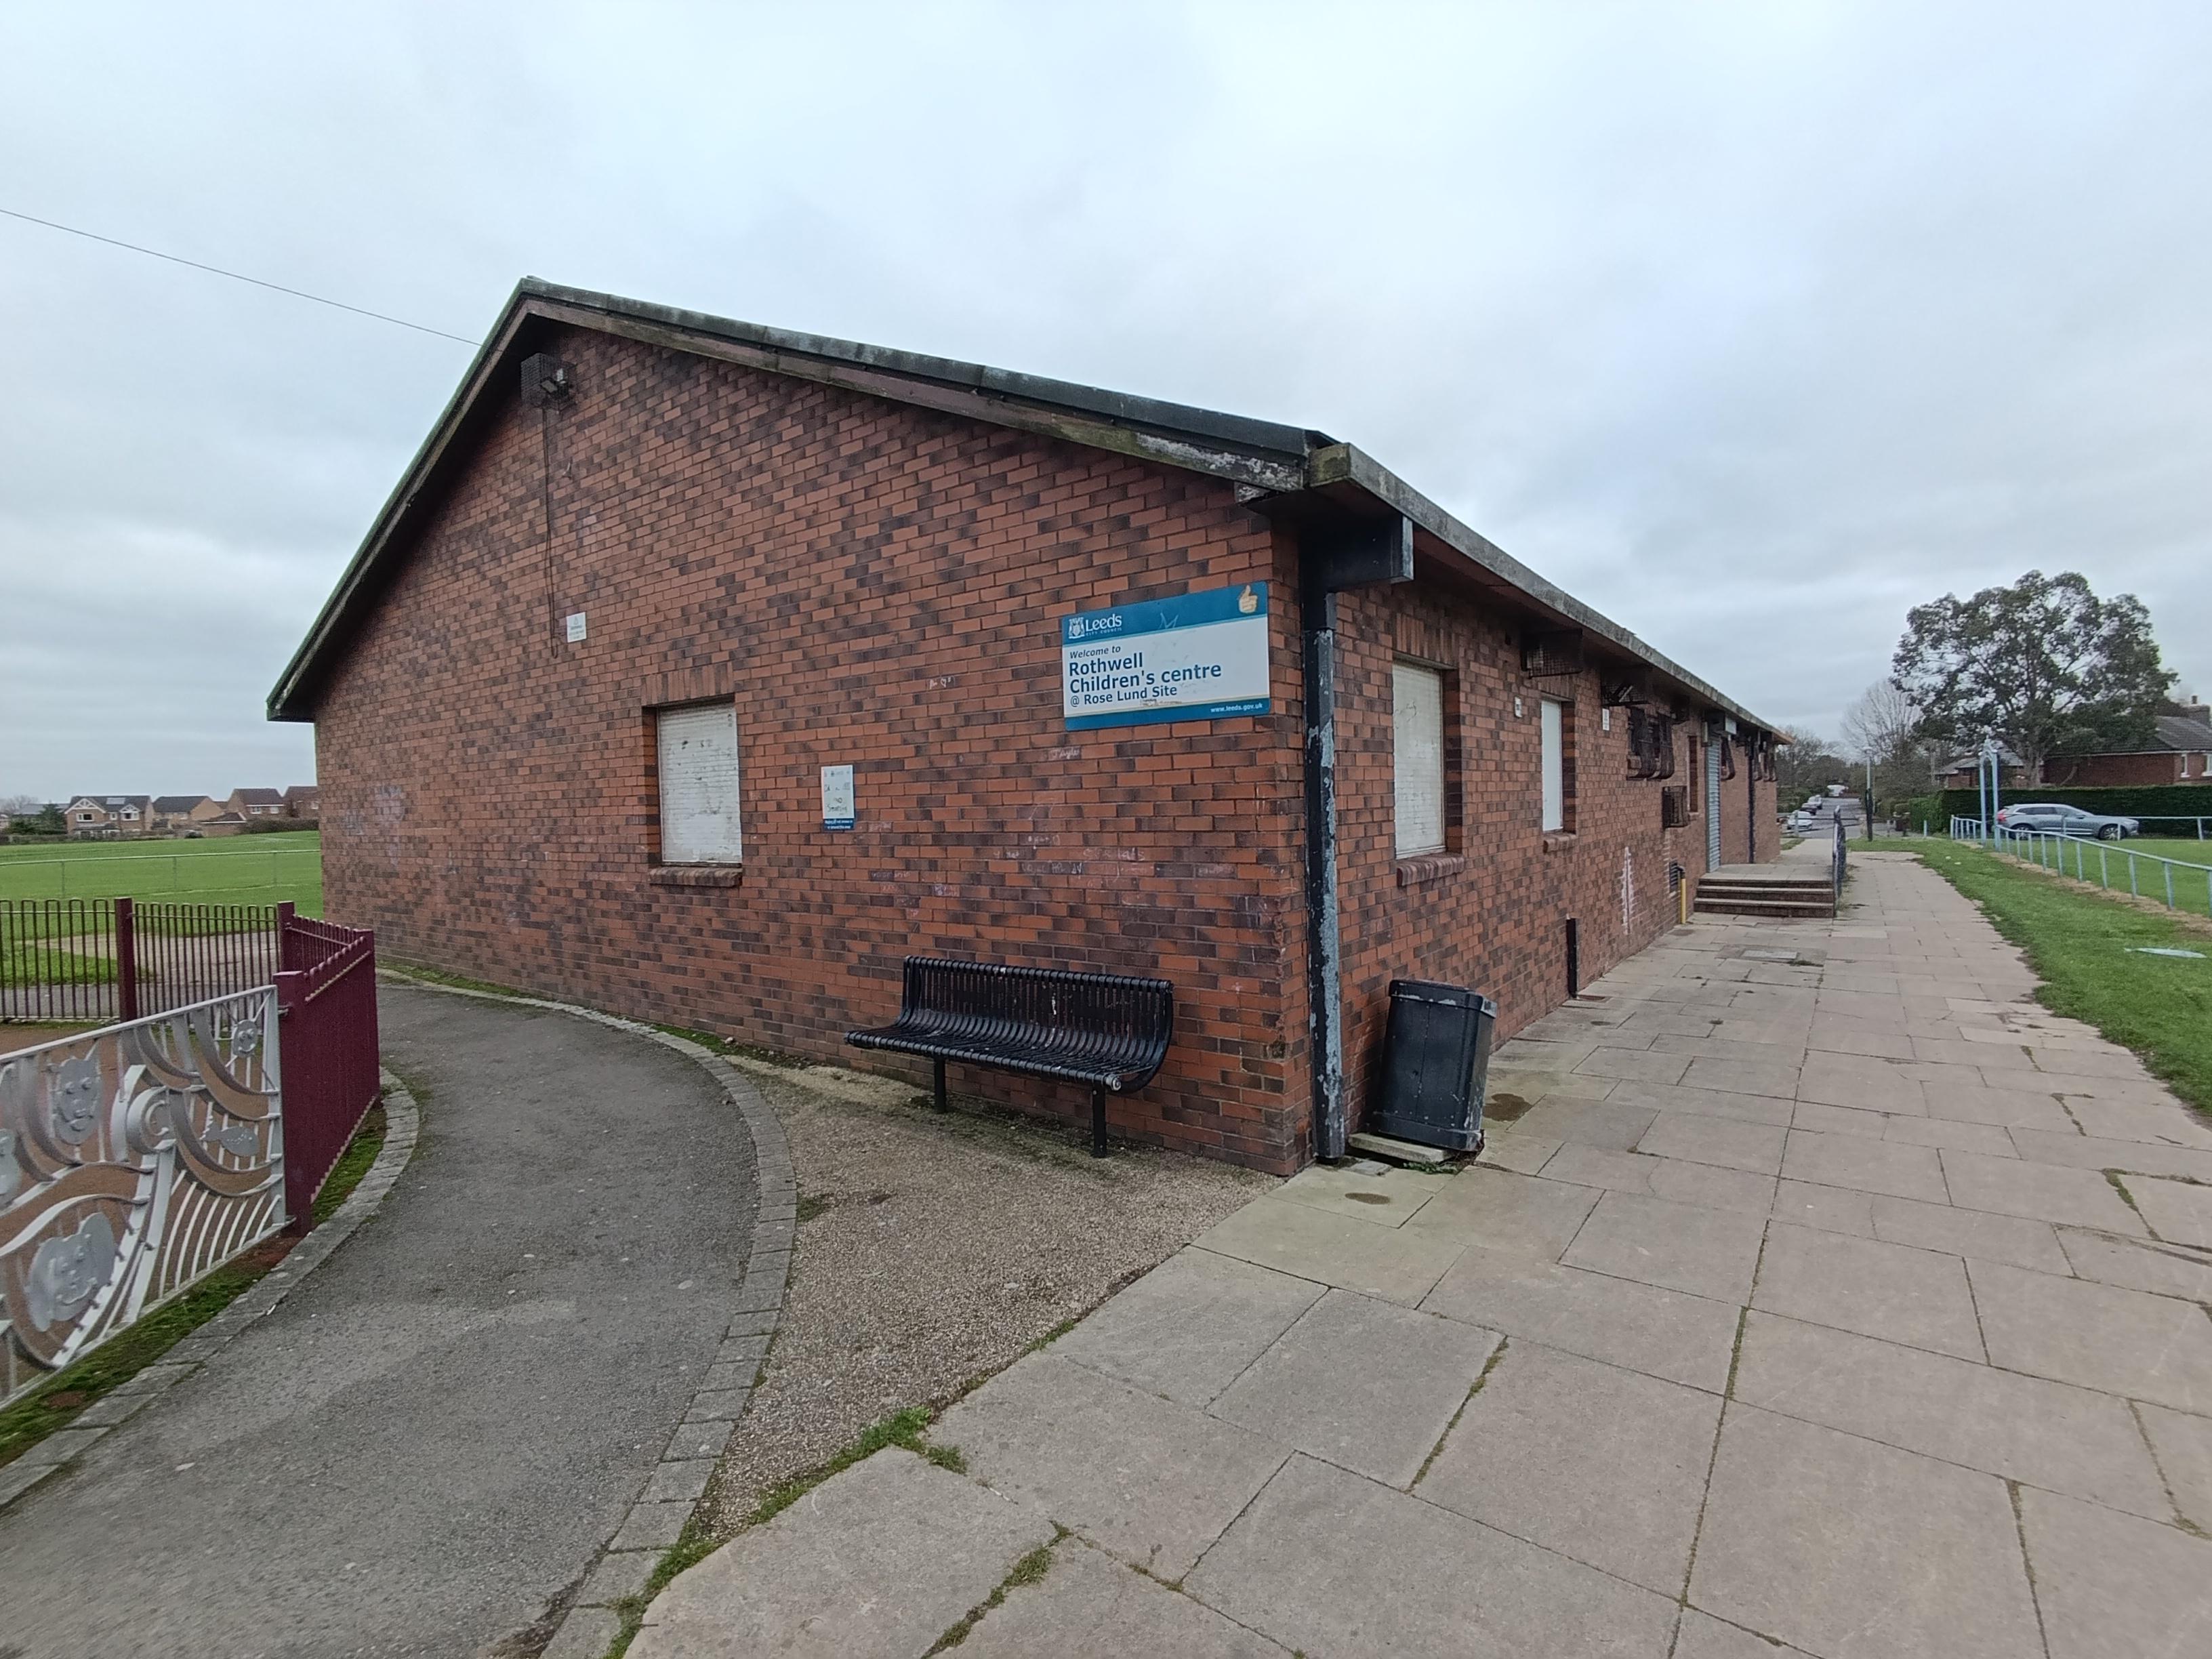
<point>2162,800</point>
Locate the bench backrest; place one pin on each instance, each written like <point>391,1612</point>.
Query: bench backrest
<point>1113,1018</point>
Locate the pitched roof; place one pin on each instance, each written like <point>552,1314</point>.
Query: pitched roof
<point>258,797</point>
<point>114,803</point>
<point>2182,731</point>
<point>1262,457</point>
<point>177,803</point>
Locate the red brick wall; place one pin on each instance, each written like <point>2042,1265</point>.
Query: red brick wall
<point>2091,771</point>
<point>1491,914</point>
<point>870,583</point>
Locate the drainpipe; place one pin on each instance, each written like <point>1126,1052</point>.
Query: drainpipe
<point>1331,559</point>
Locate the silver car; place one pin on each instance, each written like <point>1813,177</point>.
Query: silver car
<point>2053,819</point>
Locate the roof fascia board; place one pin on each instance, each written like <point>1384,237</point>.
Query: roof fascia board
<point>1267,471</point>
<point>1236,431</point>
<point>1347,463</point>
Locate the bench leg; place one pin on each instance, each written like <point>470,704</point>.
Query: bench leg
<point>941,1105</point>
<point>1097,1123</point>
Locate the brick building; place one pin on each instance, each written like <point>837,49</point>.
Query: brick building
<point>654,574</point>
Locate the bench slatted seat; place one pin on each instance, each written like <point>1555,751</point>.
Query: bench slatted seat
<point>1109,1031</point>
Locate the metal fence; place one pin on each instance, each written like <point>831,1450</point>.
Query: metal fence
<point>326,988</point>
<point>136,1158</point>
<point>2183,886</point>
<point>133,1161</point>
<point>82,960</point>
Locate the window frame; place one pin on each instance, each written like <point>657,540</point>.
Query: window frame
<point>1564,718</point>
<point>723,858</point>
<point>1447,757</point>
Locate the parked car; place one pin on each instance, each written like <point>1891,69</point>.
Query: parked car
<point>1799,821</point>
<point>2054,819</point>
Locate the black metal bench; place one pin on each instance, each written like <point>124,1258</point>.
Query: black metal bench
<point>1107,1030</point>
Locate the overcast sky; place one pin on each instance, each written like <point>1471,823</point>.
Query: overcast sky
<point>1752,325</point>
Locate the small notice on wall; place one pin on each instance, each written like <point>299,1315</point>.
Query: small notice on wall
<point>836,798</point>
<point>1200,657</point>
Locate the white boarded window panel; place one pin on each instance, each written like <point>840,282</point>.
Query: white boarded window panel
<point>1417,738</point>
<point>699,786</point>
<point>1555,765</point>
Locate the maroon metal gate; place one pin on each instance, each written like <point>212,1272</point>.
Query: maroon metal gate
<point>326,998</point>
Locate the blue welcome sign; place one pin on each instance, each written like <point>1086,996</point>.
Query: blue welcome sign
<point>1198,657</point>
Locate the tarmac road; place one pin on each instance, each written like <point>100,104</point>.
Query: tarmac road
<point>432,1432</point>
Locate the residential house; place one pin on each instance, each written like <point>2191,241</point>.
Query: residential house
<point>255,804</point>
<point>108,817</point>
<point>2179,752</point>
<point>177,814</point>
<point>303,800</point>
<point>701,672</point>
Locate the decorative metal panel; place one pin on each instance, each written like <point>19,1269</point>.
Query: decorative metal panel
<point>133,1160</point>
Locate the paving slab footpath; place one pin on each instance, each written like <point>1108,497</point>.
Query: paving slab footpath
<point>1822,1294</point>
<point>436,1430</point>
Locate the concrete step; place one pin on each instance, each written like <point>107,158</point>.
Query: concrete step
<point>1732,904</point>
<point>1817,881</point>
<point>1821,894</point>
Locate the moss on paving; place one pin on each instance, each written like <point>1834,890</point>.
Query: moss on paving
<point>695,1543</point>
<point>2088,951</point>
<point>55,1403</point>
<point>1027,1571</point>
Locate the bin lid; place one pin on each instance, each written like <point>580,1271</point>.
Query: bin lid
<point>1450,996</point>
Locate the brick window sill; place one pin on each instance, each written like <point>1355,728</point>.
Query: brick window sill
<point>1559,840</point>
<point>1429,867</point>
<point>695,875</point>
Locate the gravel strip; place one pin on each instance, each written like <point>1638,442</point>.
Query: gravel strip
<point>932,1249</point>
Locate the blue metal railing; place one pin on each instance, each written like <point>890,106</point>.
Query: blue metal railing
<point>2048,850</point>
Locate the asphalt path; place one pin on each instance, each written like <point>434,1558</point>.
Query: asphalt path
<point>434,1432</point>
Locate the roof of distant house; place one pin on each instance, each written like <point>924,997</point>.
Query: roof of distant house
<point>177,803</point>
<point>260,797</point>
<point>2182,731</point>
<point>1262,457</point>
<point>114,803</point>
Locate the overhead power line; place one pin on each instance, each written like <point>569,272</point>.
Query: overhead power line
<point>239,277</point>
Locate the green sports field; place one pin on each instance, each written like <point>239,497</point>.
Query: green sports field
<point>233,870</point>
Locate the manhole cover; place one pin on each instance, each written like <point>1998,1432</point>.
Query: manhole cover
<point>1789,959</point>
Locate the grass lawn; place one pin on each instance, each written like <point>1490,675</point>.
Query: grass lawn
<point>2106,864</point>
<point>2087,949</point>
<point>232,870</point>
<point>2189,849</point>
<point>26,963</point>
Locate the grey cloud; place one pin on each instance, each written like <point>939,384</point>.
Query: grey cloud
<point>1752,324</point>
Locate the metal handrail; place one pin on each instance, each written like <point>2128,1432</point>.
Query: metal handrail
<point>2046,848</point>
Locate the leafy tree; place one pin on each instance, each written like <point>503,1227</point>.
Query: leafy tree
<point>2044,666</point>
<point>1806,766</point>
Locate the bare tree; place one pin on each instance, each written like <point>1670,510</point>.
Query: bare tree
<point>1886,730</point>
<point>1882,725</point>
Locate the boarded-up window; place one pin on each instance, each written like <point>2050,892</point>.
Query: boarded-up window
<point>1417,750</point>
<point>699,785</point>
<point>1555,764</point>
